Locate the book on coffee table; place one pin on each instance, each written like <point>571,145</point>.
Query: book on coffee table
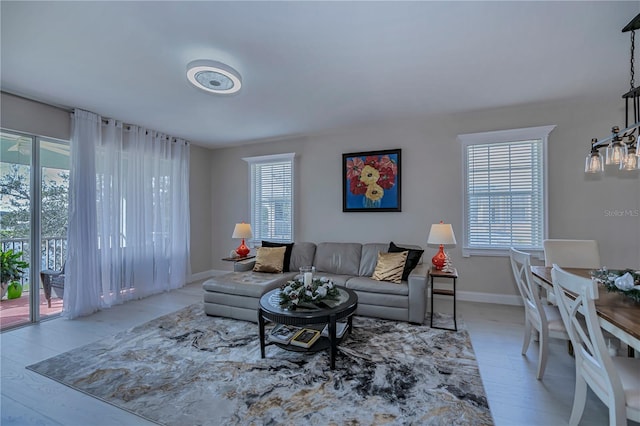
<point>305,338</point>
<point>282,333</point>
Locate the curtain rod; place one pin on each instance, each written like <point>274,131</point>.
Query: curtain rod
<point>128,126</point>
<point>104,120</point>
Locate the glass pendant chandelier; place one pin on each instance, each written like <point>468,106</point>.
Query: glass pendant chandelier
<point>622,146</point>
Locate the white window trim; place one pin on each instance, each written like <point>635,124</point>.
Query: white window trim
<point>262,159</point>
<point>502,136</point>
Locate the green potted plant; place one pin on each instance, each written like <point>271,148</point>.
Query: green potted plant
<point>11,269</point>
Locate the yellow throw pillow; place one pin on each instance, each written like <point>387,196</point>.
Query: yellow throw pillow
<point>390,267</point>
<point>269,259</point>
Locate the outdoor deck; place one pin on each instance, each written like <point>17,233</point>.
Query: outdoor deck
<point>16,311</point>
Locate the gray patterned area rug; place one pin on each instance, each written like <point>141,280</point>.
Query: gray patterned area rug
<point>186,368</point>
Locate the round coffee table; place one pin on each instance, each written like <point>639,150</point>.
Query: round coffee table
<point>344,307</point>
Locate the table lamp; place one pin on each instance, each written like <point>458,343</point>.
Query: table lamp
<point>242,230</point>
<point>441,234</point>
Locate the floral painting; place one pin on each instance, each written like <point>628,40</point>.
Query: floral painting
<point>371,181</point>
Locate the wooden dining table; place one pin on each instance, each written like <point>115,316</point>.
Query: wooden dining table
<point>618,314</point>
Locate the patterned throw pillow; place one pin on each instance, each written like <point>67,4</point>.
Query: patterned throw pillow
<point>390,267</point>
<point>269,259</point>
<point>287,254</point>
<point>412,258</point>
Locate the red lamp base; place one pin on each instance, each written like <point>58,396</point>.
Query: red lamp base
<point>242,250</point>
<point>439,259</point>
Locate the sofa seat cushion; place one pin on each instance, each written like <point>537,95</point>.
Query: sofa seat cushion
<point>366,284</point>
<point>381,300</point>
<point>252,284</point>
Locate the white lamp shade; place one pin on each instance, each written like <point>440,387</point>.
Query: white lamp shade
<point>242,230</point>
<point>441,233</point>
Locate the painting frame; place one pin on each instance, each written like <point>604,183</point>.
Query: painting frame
<point>380,189</point>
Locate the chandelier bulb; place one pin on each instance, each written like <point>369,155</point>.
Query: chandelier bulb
<point>616,153</point>
<point>631,162</point>
<point>593,163</point>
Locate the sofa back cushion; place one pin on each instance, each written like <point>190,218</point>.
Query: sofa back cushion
<point>369,257</point>
<point>338,258</point>
<point>302,254</point>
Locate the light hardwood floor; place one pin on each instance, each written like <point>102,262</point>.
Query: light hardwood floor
<point>515,396</point>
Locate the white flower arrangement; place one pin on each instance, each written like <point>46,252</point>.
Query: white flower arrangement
<point>295,292</point>
<point>625,281</point>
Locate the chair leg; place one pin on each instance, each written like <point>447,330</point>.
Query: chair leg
<point>542,353</point>
<point>617,413</point>
<point>579,400</point>
<point>527,336</point>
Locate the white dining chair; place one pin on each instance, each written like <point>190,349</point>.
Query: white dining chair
<point>545,319</point>
<point>615,380</point>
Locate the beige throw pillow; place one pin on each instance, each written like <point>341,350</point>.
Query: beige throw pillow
<point>269,259</point>
<point>390,267</point>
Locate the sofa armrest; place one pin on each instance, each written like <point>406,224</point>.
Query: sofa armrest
<point>244,265</point>
<point>417,281</point>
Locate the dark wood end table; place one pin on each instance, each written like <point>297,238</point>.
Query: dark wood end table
<point>237,259</point>
<point>453,275</point>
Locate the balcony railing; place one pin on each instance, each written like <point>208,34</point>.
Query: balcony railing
<point>53,252</point>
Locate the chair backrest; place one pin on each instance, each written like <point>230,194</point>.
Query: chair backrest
<point>572,253</point>
<point>593,361</point>
<point>530,292</point>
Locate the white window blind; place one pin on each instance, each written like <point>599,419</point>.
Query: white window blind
<point>271,181</point>
<point>505,191</point>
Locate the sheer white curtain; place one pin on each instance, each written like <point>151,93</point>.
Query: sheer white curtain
<point>82,269</point>
<point>141,204</point>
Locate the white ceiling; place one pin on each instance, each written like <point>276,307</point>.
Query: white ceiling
<point>309,66</point>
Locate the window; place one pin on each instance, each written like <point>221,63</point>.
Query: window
<point>271,181</point>
<point>505,195</point>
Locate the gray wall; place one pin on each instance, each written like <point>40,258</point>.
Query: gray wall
<point>27,116</point>
<point>200,190</point>
<point>432,186</point>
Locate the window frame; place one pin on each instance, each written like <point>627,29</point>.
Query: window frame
<point>504,136</point>
<point>266,160</point>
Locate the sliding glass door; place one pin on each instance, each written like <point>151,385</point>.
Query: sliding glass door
<point>33,213</point>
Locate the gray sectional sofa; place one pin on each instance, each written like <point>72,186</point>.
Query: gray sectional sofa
<point>236,294</point>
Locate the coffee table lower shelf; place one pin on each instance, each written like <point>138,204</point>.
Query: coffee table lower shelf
<point>323,343</point>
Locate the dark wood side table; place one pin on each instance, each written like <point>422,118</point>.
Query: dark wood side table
<point>237,259</point>
<point>453,275</point>
<point>238,266</point>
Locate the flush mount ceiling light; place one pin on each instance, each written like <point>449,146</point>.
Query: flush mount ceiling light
<point>214,77</point>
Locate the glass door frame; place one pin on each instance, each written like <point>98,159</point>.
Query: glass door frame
<point>35,237</point>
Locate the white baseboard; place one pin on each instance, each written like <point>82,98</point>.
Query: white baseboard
<point>501,299</point>
<point>205,275</point>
